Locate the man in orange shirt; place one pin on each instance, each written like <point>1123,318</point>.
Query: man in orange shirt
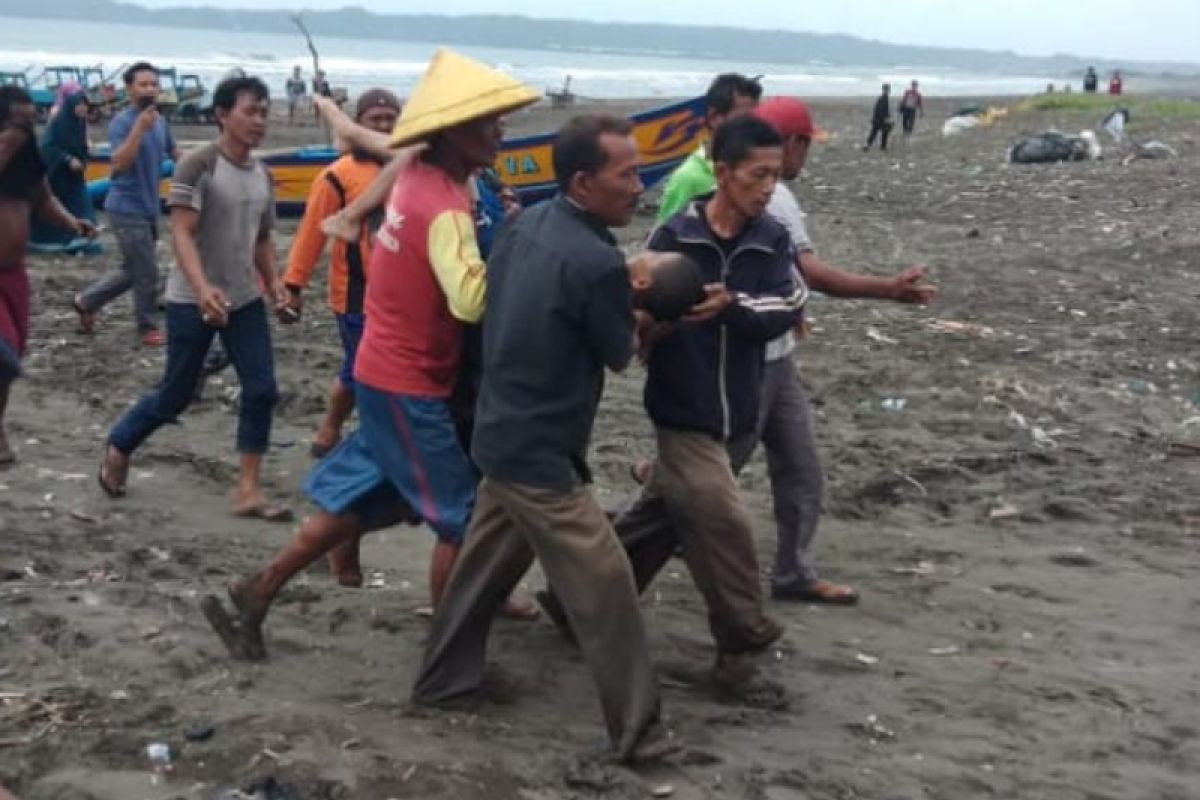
<point>336,187</point>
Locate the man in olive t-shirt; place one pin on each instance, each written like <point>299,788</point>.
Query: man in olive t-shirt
<point>222,216</point>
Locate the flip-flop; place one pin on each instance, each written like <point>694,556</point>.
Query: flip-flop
<point>754,691</point>
<point>267,512</point>
<point>223,625</point>
<point>114,492</point>
<point>822,591</point>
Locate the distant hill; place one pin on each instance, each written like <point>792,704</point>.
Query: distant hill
<point>685,41</point>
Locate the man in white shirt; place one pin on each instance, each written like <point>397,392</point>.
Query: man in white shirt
<point>785,417</point>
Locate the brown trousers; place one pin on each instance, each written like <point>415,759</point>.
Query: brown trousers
<point>584,562</point>
<point>692,501</point>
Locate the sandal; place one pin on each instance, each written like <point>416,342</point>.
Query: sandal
<point>751,690</point>
<point>264,510</point>
<point>114,489</point>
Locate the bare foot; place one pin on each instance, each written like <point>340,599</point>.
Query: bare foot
<point>345,566</point>
<point>242,634</point>
<point>87,319</point>
<point>7,456</point>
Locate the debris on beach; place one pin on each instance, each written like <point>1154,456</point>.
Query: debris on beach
<point>1053,147</point>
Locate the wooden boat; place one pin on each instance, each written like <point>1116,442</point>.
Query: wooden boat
<point>665,136</point>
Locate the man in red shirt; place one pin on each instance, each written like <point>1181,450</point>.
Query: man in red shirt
<point>427,282</point>
<point>910,105</point>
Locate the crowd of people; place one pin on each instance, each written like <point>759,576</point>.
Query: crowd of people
<point>476,337</point>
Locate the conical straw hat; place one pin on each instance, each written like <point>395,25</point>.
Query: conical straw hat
<point>454,90</point>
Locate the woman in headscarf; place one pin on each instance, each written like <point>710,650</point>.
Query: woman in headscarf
<point>65,151</point>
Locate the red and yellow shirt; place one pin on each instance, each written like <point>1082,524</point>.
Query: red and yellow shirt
<point>427,279</point>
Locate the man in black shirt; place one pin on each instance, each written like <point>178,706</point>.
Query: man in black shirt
<point>881,119</point>
<point>559,311</point>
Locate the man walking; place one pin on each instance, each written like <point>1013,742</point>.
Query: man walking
<point>881,119</point>
<point>428,282</point>
<point>335,187</point>
<point>140,140</point>
<point>703,386</point>
<point>785,418</point>
<point>294,88</point>
<point>222,204</point>
<point>24,193</point>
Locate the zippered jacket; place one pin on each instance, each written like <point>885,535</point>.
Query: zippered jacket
<point>707,377</point>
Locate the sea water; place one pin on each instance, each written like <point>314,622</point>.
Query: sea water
<point>357,64</point>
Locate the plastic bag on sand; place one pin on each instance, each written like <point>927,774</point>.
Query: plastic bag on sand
<point>1051,147</point>
<point>1114,124</point>
<point>956,125</point>
<point>1154,149</point>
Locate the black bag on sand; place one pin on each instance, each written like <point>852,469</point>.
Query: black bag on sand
<point>1048,148</point>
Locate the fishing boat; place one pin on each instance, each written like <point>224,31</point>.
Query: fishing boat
<point>665,136</point>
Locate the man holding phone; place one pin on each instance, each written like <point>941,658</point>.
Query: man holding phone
<point>140,140</point>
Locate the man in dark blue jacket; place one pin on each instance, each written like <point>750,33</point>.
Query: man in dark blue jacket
<point>702,390</point>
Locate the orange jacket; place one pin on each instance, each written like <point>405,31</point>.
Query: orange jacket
<point>336,186</point>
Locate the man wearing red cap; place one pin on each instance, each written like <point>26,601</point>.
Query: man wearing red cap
<point>785,418</point>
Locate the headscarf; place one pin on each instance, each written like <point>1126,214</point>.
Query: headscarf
<point>66,135</point>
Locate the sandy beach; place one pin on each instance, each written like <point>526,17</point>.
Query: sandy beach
<point>1023,525</point>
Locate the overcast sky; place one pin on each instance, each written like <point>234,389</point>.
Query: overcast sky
<point>1165,30</point>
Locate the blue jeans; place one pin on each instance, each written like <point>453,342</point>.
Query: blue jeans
<point>247,340</point>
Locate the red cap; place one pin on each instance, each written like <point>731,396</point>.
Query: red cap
<point>788,115</point>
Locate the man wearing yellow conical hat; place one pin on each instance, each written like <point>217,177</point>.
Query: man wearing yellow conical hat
<point>427,281</point>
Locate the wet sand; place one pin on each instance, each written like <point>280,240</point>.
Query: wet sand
<point>1024,533</point>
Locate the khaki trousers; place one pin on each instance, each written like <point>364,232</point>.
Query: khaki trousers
<point>583,560</point>
<point>692,501</point>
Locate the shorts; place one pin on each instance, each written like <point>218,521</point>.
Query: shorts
<point>350,330</point>
<point>14,321</point>
<point>405,451</point>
